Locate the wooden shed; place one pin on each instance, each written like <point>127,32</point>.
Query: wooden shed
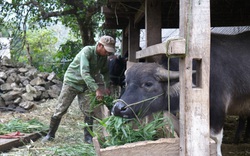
<point>194,18</point>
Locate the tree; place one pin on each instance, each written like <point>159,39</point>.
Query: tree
<point>81,16</point>
<point>40,47</point>
<point>64,56</point>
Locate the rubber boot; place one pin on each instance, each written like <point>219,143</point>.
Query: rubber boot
<point>54,123</point>
<point>87,135</point>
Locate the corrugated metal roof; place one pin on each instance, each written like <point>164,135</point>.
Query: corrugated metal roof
<point>230,30</point>
<point>166,33</point>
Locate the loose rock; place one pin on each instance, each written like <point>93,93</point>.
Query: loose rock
<point>23,86</point>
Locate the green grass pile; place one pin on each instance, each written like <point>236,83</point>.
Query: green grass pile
<point>122,131</point>
<point>15,125</point>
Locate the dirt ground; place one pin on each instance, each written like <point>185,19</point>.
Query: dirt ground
<point>228,148</point>
<point>70,133</point>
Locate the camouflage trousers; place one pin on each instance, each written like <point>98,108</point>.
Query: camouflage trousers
<point>66,98</point>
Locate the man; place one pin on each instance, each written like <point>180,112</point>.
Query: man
<point>80,76</point>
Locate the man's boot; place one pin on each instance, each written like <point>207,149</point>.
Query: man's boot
<point>54,123</point>
<point>87,135</point>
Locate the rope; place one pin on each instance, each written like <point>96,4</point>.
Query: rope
<point>168,84</point>
<point>136,103</point>
<point>116,17</point>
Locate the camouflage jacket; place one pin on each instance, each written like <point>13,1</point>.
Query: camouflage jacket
<point>84,68</point>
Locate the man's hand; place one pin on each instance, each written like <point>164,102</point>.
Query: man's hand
<point>107,91</point>
<point>99,94</point>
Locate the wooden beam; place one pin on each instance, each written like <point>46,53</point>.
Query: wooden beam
<point>133,40</point>
<point>7,144</point>
<point>172,47</point>
<point>140,14</point>
<point>153,25</point>
<point>124,42</point>
<point>194,101</point>
<point>153,22</point>
<point>152,51</point>
<point>113,23</point>
<point>174,120</point>
<point>223,12</point>
<point>163,146</point>
<point>124,13</point>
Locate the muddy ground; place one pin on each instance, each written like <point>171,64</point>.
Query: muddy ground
<point>70,133</point>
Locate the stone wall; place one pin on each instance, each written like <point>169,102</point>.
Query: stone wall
<point>21,86</point>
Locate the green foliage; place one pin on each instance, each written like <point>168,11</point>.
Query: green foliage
<point>122,131</point>
<point>21,126</point>
<point>42,46</point>
<point>4,31</point>
<point>39,49</point>
<point>107,100</point>
<point>81,149</point>
<point>77,15</point>
<point>45,56</point>
<point>64,56</point>
<point>21,16</point>
<point>25,20</point>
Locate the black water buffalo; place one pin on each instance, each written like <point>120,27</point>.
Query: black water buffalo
<point>146,85</point>
<point>117,67</point>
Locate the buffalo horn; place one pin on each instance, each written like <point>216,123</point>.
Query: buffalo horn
<point>163,74</point>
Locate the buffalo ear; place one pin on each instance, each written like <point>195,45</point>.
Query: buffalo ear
<point>163,74</point>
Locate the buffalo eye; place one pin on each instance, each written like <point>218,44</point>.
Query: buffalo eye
<point>148,84</point>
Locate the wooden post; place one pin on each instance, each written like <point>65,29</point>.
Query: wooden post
<point>124,42</point>
<point>153,30</point>
<point>133,42</point>
<point>153,25</point>
<point>153,22</point>
<point>194,101</point>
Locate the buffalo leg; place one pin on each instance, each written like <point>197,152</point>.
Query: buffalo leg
<point>247,131</point>
<point>240,128</point>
